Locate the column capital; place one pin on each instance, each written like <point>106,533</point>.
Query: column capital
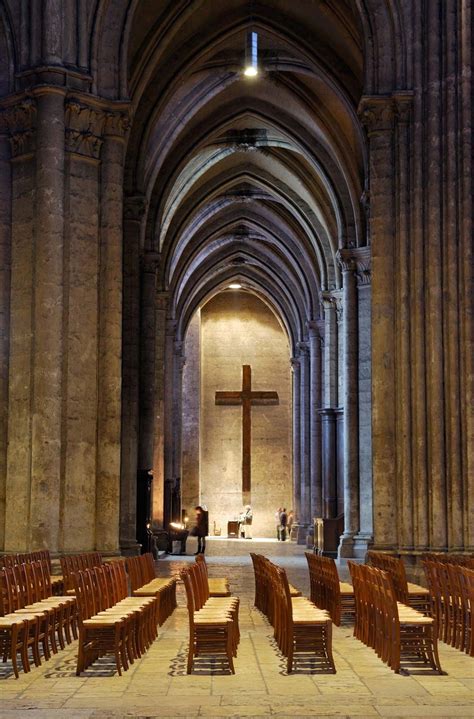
<point>18,119</point>
<point>117,123</point>
<point>295,364</point>
<point>303,348</point>
<point>404,106</point>
<point>377,113</point>
<point>358,261</point>
<point>315,329</point>
<point>134,207</point>
<point>149,261</point>
<point>84,128</point>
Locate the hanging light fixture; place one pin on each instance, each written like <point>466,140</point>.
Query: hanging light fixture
<point>251,55</point>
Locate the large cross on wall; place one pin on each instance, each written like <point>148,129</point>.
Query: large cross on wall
<point>246,398</point>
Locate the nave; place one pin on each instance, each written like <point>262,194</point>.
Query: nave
<point>157,684</point>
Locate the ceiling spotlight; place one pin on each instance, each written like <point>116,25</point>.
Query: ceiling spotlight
<point>251,55</point>
<point>235,286</point>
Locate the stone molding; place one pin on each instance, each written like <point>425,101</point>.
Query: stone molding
<point>295,364</point>
<point>18,121</point>
<point>134,207</point>
<point>316,328</point>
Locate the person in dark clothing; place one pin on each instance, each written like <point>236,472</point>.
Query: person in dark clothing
<point>283,524</point>
<point>202,528</point>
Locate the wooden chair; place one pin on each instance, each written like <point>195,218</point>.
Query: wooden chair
<point>110,622</point>
<point>218,586</point>
<point>413,595</point>
<point>301,627</point>
<point>327,591</point>
<point>211,628</point>
<point>143,583</point>
<point>466,582</point>
<point>392,629</point>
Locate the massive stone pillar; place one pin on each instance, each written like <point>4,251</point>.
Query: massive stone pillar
<point>35,400</point>
<point>330,302</point>
<point>84,130</point>
<point>110,333</point>
<point>296,381</point>
<point>5,267</point>
<point>377,115</point>
<point>161,309</point>
<point>149,265</point>
<point>315,469</point>
<point>305,513</point>
<point>364,536</point>
<point>134,212</point>
<point>350,373</point>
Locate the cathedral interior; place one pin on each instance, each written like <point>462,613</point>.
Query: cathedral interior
<point>170,216</point>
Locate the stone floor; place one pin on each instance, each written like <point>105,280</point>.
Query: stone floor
<point>157,685</point>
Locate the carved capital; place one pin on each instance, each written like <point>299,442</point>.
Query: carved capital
<point>303,348</point>
<point>117,123</point>
<point>149,262</point>
<point>18,121</point>
<point>404,107</point>
<point>357,260</point>
<point>377,113</point>
<point>346,259</point>
<point>84,128</point>
<point>134,207</point>
<point>295,364</point>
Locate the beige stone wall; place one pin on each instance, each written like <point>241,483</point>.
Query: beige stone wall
<point>237,328</point>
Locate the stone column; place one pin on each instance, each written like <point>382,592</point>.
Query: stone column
<point>5,262</point>
<point>329,301</point>
<point>328,418</point>
<point>377,115</point>
<point>48,320</point>
<point>314,333</point>
<point>296,381</point>
<point>79,497</point>
<point>134,213</point>
<point>149,265</point>
<point>161,309</point>
<point>305,515</point>
<point>168,408</point>
<point>365,535</point>
<point>350,373</point>
<point>19,120</point>
<point>110,334</point>
<point>178,365</point>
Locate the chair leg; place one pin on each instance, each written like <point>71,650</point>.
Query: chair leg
<point>190,655</point>
<point>328,633</point>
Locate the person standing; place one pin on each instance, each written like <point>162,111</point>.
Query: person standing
<point>283,523</point>
<point>290,522</point>
<point>277,522</point>
<point>201,529</point>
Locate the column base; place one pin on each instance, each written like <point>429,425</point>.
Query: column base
<point>130,548</point>
<point>353,546</point>
<point>301,532</point>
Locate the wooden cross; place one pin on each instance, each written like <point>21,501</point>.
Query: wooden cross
<point>246,398</point>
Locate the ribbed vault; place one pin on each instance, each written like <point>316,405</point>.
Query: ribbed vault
<point>260,178</point>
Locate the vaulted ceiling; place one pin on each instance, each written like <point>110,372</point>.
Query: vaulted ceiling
<point>251,179</point>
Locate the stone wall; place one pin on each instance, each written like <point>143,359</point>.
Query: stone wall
<point>236,329</point>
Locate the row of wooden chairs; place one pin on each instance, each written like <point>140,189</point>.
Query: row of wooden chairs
<point>213,621</point>
<point>264,590</point>
<point>143,583</point>
<point>300,628</point>
<point>31,617</point>
<point>327,591</point>
<point>111,622</point>
<point>452,602</point>
<point>218,586</point>
<point>406,592</point>
<point>43,555</point>
<point>393,630</point>
<point>73,563</point>
<point>461,560</point>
